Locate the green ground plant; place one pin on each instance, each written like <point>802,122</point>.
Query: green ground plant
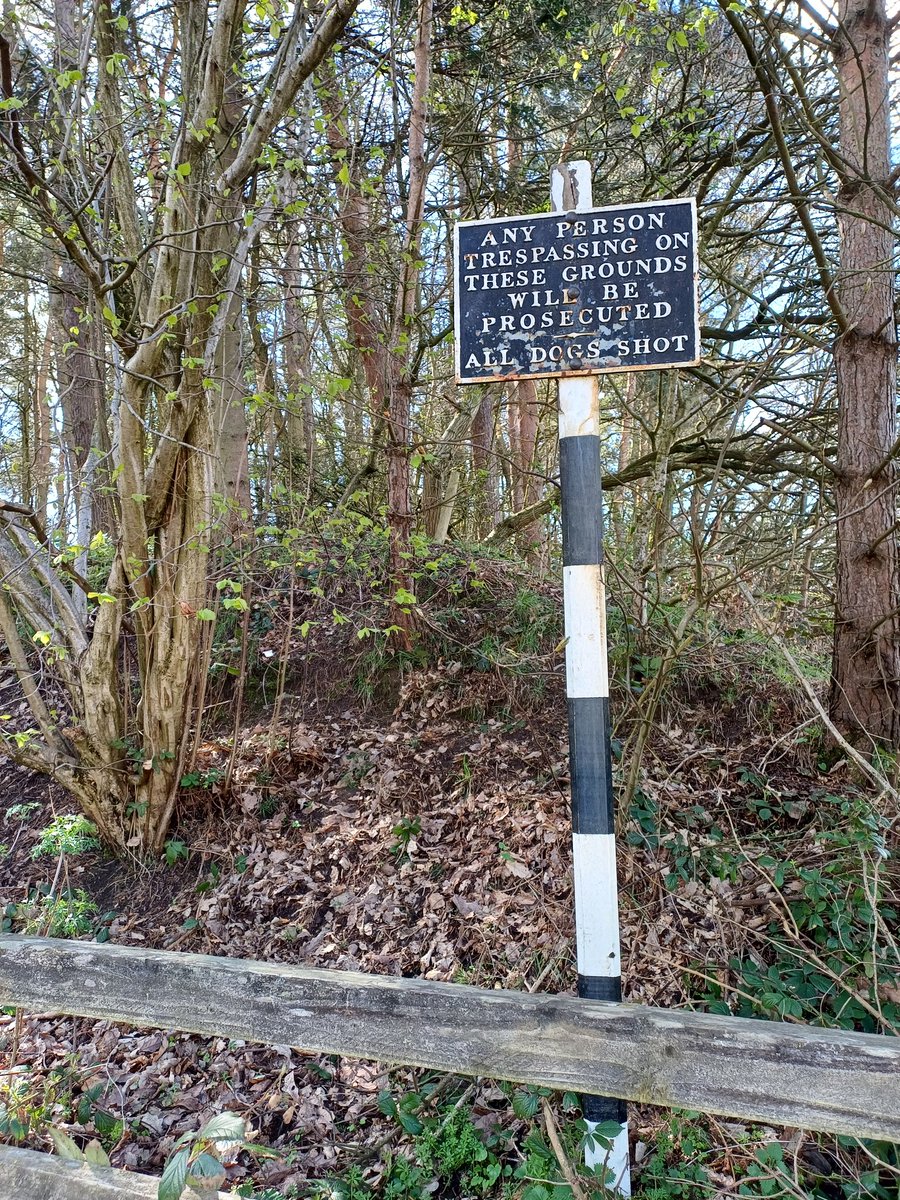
<point>829,954</point>
<point>200,1157</point>
<point>69,913</point>
<point>67,833</point>
<point>449,1152</point>
<point>175,851</point>
<point>825,954</point>
<point>675,1168</point>
<point>21,812</point>
<point>32,1104</point>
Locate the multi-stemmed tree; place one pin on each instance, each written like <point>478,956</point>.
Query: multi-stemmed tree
<point>131,141</point>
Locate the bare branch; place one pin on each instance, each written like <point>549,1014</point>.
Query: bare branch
<point>329,28</point>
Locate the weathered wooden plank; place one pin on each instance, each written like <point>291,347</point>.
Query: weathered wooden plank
<point>795,1075</point>
<point>29,1175</point>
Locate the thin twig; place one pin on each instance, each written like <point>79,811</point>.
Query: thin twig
<point>864,765</point>
<point>562,1158</point>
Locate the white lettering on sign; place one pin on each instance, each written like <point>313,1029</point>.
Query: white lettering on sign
<point>600,225</point>
<point>660,345</point>
<point>509,235</point>
<point>569,292</point>
<point>674,241</point>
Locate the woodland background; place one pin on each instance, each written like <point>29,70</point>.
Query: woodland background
<point>279,600</point>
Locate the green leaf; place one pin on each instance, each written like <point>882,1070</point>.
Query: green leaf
<point>183,169</point>
<point>524,1105</point>
<point>94,1153</point>
<point>104,1121</point>
<point>410,1123</point>
<point>206,1173</point>
<point>607,1129</point>
<point>225,1127</point>
<point>64,1146</point>
<point>174,1177</point>
<point>344,175</point>
<point>206,614</point>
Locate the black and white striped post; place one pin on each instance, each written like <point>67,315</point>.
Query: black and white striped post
<point>587,691</point>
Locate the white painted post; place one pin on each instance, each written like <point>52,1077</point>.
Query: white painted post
<point>587,690</point>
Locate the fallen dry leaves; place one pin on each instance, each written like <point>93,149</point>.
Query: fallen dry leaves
<point>423,843</point>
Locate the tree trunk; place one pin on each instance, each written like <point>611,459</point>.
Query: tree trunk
<point>400,399</point>
<point>78,386</point>
<point>523,431</point>
<point>233,436</point>
<point>442,472</point>
<point>42,450</point>
<point>170,319</point>
<point>300,417</point>
<point>865,689</point>
<point>386,359</point>
<point>486,502</point>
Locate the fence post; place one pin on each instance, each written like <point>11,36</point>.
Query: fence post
<point>587,692</point>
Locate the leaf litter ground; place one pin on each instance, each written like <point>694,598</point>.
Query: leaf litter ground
<point>430,841</point>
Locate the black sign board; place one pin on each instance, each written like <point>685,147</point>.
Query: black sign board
<point>608,289</point>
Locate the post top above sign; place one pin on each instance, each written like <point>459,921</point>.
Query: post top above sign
<point>578,291</point>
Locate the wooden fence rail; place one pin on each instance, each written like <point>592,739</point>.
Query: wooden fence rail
<point>824,1079</point>
<point>30,1175</point>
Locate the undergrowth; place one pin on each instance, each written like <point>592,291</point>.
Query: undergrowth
<point>788,857</point>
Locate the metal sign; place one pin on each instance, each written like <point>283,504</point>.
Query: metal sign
<point>576,293</point>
